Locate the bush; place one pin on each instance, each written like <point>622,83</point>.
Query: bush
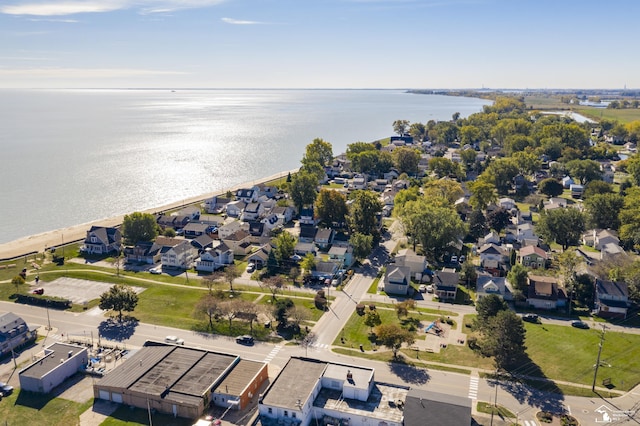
<point>360,309</point>
<point>372,307</point>
<point>545,416</point>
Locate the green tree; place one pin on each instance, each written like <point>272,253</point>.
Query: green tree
<point>551,187</point>
<point>564,226</point>
<point>469,273</point>
<point>470,134</point>
<point>603,210</point>
<point>597,187</point>
<point>400,126</point>
<point>443,167</point>
<point>418,131</point>
<point>319,151</point>
<point>477,224</point>
<point>517,276</point>
<point>630,218</point>
<point>487,308</point>
<point>281,310</point>
<point>372,319</point>
<point>362,244</point>
<point>504,339</point>
<point>482,194</point>
<point>119,298</point>
<point>17,281</point>
<point>498,219</point>
<point>445,188</point>
<point>139,227</point>
<point>392,336</point>
<point>406,160</point>
<point>410,194</point>
<point>283,247</point>
<point>302,189</point>
<point>308,263</point>
<point>331,207</point>
<point>584,170</point>
<point>500,173</point>
<point>468,157</point>
<point>363,212</point>
<point>527,162</point>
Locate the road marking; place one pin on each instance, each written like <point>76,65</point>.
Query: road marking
<point>273,353</point>
<point>320,346</point>
<point>530,423</point>
<point>473,387</point>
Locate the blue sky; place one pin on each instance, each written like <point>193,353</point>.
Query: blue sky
<point>319,43</point>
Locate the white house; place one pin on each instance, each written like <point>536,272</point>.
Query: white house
<point>397,280</point>
<point>229,228</point>
<point>214,258</point>
<point>252,211</point>
<point>235,208</point>
<point>416,263</point>
<point>179,256</point>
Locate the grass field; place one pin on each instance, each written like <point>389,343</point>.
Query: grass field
<point>27,408</point>
<point>621,115</point>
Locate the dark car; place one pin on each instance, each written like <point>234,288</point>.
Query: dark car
<point>579,324</point>
<point>5,389</point>
<point>39,290</point>
<point>244,340</point>
<point>530,318</point>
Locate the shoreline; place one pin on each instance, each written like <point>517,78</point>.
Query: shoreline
<point>62,236</point>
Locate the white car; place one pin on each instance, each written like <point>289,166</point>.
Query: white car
<point>156,271</point>
<point>251,267</point>
<point>174,340</point>
<point>422,288</point>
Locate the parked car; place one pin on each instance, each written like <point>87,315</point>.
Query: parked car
<point>5,389</point>
<point>422,288</point>
<point>251,267</point>
<point>530,318</point>
<point>174,340</point>
<point>462,258</point>
<point>244,340</point>
<point>579,324</point>
<point>38,290</point>
<point>156,271</point>
<point>454,259</point>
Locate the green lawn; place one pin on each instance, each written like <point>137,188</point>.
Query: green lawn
<point>622,115</point>
<point>568,354</point>
<point>27,408</point>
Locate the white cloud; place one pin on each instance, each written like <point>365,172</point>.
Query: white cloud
<point>65,21</point>
<point>240,22</point>
<point>70,7</point>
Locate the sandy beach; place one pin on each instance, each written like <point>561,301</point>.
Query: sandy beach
<point>38,242</point>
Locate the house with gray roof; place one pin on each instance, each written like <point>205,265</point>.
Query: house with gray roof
<point>14,333</point>
<point>612,299</point>
<point>102,240</point>
<point>397,280</point>
<point>179,255</point>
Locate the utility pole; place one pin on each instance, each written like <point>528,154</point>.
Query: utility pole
<point>595,371</point>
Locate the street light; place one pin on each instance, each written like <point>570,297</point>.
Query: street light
<point>48,319</point>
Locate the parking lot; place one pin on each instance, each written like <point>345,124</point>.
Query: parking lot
<point>77,290</point>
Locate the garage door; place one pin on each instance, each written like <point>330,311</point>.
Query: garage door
<point>116,397</point>
<point>104,395</point>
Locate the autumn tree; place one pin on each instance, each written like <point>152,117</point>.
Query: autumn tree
<point>231,272</point>
<point>211,281</point>
<point>208,307</point>
<point>403,308</point>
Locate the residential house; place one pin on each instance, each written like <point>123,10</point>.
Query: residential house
<point>14,333</point>
<point>252,211</point>
<point>533,257</point>
<point>526,236</point>
<point>248,195</point>
<point>493,256</point>
<point>612,299</point>
<point>325,270</point>
<point>239,242</point>
<point>203,242</point>
<point>313,392</point>
<point>269,191</point>
<point>507,203</point>
<point>576,190</point>
<point>143,252</point>
<point>488,284</point>
<point>307,217</point>
<point>214,258</point>
<point>416,263</point>
<point>256,229</point>
<point>604,240</point>
<point>235,208</point>
<point>358,182</point>
<point>445,284</point>
<point>216,204</point>
<point>180,255</point>
<point>544,293</point>
<point>260,256</point>
<point>323,238</point>
<point>567,181</point>
<point>102,240</point>
<point>302,248</point>
<point>211,220</point>
<point>195,229</point>
<point>284,213</point>
<point>397,280</point>
<point>555,203</point>
<point>229,228</point>
<point>492,238</point>
<point>342,253</point>
<point>422,407</point>
<point>271,221</point>
<point>193,212</point>
<point>307,233</point>
<point>173,221</point>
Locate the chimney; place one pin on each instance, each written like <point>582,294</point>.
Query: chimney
<point>70,354</point>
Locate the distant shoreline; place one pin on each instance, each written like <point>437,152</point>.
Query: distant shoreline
<point>39,242</point>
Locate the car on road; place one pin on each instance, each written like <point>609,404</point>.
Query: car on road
<point>5,389</point>
<point>245,340</point>
<point>174,340</point>
<point>422,288</point>
<point>156,271</point>
<point>531,318</point>
<point>38,290</point>
<point>579,324</point>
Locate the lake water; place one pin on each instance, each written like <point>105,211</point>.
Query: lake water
<point>74,156</point>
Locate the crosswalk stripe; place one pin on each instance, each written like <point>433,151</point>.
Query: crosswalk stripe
<point>273,353</point>
<point>473,387</point>
<point>530,423</point>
